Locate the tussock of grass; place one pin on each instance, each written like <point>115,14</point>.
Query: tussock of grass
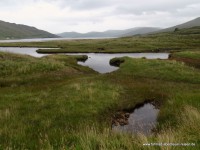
<point>187,130</point>
<point>187,54</point>
<point>21,68</point>
<point>116,61</point>
<point>55,111</point>
<point>13,64</point>
<point>161,70</point>
<point>192,58</point>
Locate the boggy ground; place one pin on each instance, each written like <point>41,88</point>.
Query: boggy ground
<point>53,103</point>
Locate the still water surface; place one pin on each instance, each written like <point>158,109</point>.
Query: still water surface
<point>100,61</point>
<point>23,50</point>
<point>142,119</point>
<point>97,61</point>
<point>49,39</point>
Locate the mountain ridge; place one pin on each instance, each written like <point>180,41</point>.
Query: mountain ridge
<point>19,31</point>
<point>110,33</point>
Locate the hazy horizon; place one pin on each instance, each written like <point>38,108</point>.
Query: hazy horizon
<point>57,16</point>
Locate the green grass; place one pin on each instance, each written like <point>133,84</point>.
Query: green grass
<point>160,69</point>
<point>54,111</point>
<point>191,58</point>
<point>187,54</point>
<point>92,139</point>
<point>21,69</point>
<point>54,103</point>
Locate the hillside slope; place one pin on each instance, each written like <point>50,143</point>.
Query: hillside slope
<point>17,31</point>
<point>189,24</point>
<point>110,33</point>
<point>139,30</point>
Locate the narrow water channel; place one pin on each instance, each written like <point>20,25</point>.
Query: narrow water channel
<point>23,50</point>
<point>100,61</point>
<point>96,61</point>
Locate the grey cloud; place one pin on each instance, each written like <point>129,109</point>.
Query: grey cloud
<point>138,5</point>
<point>153,6</point>
<point>123,6</point>
<point>84,4</point>
<point>101,13</point>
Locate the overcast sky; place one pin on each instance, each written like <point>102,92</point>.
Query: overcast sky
<point>58,16</point>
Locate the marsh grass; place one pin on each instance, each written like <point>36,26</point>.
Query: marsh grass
<point>46,113</point>
<point>191,58</point>
<point>70,106</point>
<point>106,139</point>
<point>159,69</point>
<point>187,54</point>
<point>23,69</point>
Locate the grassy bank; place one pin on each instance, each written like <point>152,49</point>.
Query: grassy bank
<point>21,69</point>
<point>53,103</point>
<point>191,58</point>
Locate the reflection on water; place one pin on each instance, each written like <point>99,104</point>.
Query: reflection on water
<point>141,120</point>
<point>100,61</point>
<point>97,61</point>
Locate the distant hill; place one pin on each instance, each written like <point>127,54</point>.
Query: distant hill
<point>189,24</point>
<point>110,33</point>
<point>139,30</point>
<point>18,31</point>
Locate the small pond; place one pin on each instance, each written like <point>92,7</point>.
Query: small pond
<point>97,61</point>
<point>142,119</point>
<point>100,61</point>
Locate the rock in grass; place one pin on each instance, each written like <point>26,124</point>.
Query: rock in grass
<point>116,61</point>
